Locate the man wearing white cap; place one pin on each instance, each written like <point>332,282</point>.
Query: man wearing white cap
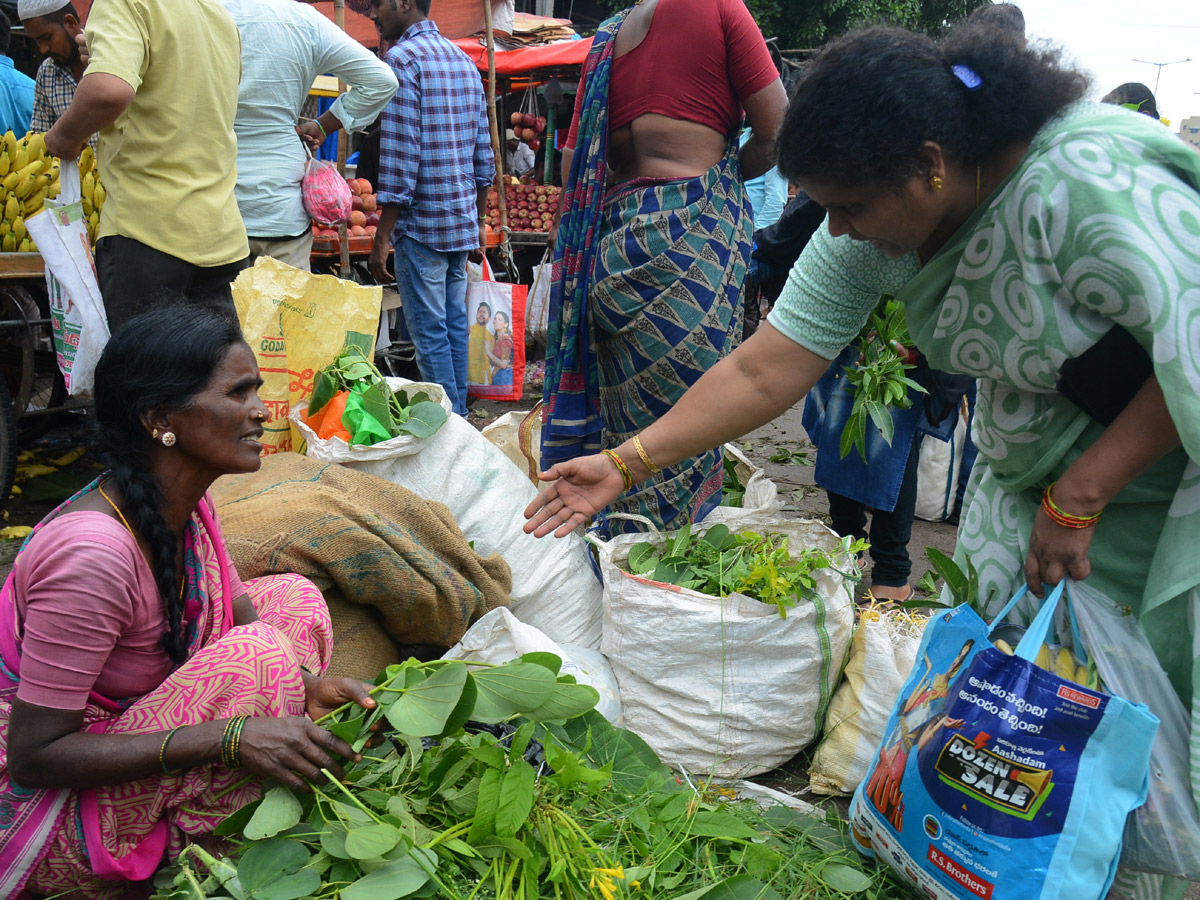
<point>518,157</point>
<point>161,88</point>
<point>53,25</point>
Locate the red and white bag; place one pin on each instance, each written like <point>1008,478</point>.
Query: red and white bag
<point>326,193</point>
<point>495,338</point>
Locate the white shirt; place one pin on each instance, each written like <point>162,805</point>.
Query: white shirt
<point>518,161</point>
<point>286,44</point>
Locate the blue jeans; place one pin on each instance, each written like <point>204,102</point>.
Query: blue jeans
<point>433,295</point>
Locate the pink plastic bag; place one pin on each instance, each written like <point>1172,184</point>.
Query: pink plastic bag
<point>325,192</point>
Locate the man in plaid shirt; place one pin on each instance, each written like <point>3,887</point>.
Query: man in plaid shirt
<point>53,26</point>
<point>435,168</point>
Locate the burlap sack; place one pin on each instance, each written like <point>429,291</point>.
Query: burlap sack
<point>379,544</point>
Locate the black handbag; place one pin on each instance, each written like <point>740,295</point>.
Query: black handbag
<point>1104,378</point>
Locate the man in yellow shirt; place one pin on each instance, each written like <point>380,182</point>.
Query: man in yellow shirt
<point>170,224</point>
<point>479,344</point>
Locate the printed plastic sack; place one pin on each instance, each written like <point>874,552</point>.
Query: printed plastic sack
<point>1162,835</point>
<point>537,322</point>
<point>499,636</point>
<point>938,468</point>
<point>495,338</point>
<point>997,778</point>
<point>296,323</point>
<point>760,501</point>
<point>724,686</point>
<point>554,587</point>
<point>881,656</point>
<point>519,435</point>
<point>326,195</point>
<point>77,317</point>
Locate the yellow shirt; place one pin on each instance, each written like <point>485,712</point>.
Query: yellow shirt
<point>168,162</point>
<point>479,367</point>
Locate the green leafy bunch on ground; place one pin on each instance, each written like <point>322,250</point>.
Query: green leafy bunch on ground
<point>552,803</point>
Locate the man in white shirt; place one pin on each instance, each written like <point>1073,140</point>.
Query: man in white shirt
<point>286,44</point>
<point>518,157</point>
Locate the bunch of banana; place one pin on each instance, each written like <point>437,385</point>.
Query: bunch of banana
<point>1061,662</point>
<point>28,178</point>
<point>93,193</point>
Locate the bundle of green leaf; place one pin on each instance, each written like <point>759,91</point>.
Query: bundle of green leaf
<point>720,563</point>
<point>440,811</point>
<point>878,380</point>
<point>351,400</point>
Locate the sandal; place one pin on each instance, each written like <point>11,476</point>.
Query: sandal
<point>869,599</point>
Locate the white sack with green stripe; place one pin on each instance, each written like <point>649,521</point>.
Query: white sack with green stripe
<point>725,687</point>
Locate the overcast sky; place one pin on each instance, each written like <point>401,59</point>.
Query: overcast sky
<point>1105,36</point>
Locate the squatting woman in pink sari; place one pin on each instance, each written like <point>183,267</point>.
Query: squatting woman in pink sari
<point>145,690</point>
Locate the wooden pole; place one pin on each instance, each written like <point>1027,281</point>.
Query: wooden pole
<point>339,19</point>
<point>491,105</point>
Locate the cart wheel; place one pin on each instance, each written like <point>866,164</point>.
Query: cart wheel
<point>49,392</point>
<point>8,444</point>
<point>18,344</point>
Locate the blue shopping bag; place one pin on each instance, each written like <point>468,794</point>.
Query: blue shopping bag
<point>998,779</point>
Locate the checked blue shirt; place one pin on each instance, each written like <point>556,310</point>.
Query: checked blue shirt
<point>435,147</point>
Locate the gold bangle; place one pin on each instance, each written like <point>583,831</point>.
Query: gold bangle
<point>162,751</point>
<point>644,456</point>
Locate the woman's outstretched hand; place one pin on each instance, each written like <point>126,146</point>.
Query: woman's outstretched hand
<point>293,750</point>
<point>578,489</point>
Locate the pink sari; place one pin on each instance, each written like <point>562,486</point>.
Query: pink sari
<point>93,841</point>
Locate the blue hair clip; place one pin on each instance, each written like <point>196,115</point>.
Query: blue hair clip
<point>968,76</point>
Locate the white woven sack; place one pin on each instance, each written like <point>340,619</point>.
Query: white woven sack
<point>499,636</point>
<point>724,687</point>
<point>761,503</point>
<point>938,469</point>
<point>525,454</point>
<point>554,587</point>
<point>881,656</point>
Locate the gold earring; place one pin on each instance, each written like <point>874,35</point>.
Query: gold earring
<point>168,439</point>
<point>154,434</point>
<point>936,182</point>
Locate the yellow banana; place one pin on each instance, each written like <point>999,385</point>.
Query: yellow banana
<point>32,245</point>
<point>29,170</point>
<point>21,159</point>
<point>94,221</point>
<point>5,163</point>
<point>1081,675</point>
<point>98,196</point>
<point>87,160</point>
<point>26,246</point>
<point>1043,657</point>
<point>88,209</point>
<point>37,145</point>
<point>1064,664</point>
<point>10,208</point>
<point>10,143</point>
<point>10,181</point>
<point>9,243</point>
<point>1003,646</point>
<point>19,229</point>
<point>54,190</point>
<point>26,187</point>
<point>5,228</point>
<point>33,203</point>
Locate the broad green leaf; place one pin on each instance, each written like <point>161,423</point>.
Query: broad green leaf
<point>739,887</point>
<point>348,731</point>
<point>632,760</point>
<point>845,878</point>
<point>484,824</point>
<point>324,387</point>
<point>511,689</point>
<point>423,709</point>
<point>495,847</point>
<point>642,558</point>
<point>290,887</point>
<point>360,341</point>
<point>393,880</point>
<point>356,371</point>
<point>949,572</point>
<point>424,419</point>
<point>565,702</point>
<point>375,402</point>
<point>520,739</point>
<point>268,861</point>
<point>547,660</point>
<point>719,824</point>
<point>367,841</point>
<point>718,537</point>
<point>463,709</point>
<point>882,419</point>
<point>516,798</point>
<point>279,811</point>
<point>333,840</point>
<point>234,823</point>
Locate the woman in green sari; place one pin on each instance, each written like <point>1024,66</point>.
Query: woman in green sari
<point>1027,232</point>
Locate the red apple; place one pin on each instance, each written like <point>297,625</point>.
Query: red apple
<point>516,119</point>
<point>372,219</point>
<point>354,187</point>
<point>356,231</point>
<point>356,202</point>
<point>540,124</point>
<point>370,204</point>
<point>529,120</point>
<point>534,144</point>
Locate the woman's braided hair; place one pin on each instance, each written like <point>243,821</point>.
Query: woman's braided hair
<point>868,102</point>
<point>161,358</point>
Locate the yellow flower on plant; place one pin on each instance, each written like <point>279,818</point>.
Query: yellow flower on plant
<point>618,872</point>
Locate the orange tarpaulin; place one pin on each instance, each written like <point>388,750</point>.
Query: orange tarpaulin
<point>528,59</point>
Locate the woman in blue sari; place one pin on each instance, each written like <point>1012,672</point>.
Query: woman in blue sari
<point>654,238</point>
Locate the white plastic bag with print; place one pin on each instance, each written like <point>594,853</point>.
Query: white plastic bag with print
<point>77,315</point>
